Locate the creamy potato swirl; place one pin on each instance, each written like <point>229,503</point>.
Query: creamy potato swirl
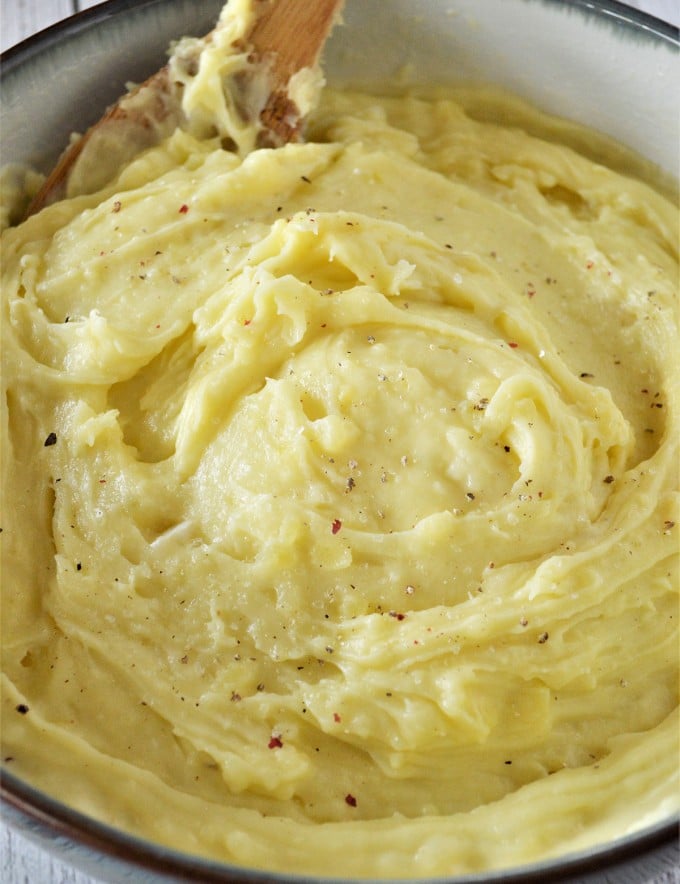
<point>340,496</point>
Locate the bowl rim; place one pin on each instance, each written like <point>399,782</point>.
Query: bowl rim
<point>31,808</point>
<point>21,52</point>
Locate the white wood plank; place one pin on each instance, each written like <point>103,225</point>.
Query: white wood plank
<point>21,18</point>
<point>24,863</point>
<point>666,10</point>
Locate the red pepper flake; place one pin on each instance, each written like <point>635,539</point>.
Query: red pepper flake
<point>183,209</point>
<point>350,799</point>
<point>590,265</point>
<point>275,742</point>
<point>117,206</point>
<point>247,321</point>
<point>543,638</point>
<point>51,440</point>
<point>336,717</point>
<point>336,526</point>
<point>608,480</point>
<point>397,615</point>
<point>513,344</point>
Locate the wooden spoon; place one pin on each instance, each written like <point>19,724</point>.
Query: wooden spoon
<point>286,37</point>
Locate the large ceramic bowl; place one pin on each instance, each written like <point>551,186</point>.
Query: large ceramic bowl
<point>594,61</point>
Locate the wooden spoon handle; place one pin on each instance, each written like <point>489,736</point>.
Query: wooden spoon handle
<point>293,32</point>
<point>138,120</point>
<point>287,36</point>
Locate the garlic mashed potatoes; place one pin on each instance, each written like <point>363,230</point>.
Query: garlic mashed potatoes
<point>340,495</point>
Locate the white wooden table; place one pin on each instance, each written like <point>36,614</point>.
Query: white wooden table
<point>22,863</point>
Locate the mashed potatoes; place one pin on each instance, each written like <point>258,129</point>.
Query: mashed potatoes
<point>340,496</point>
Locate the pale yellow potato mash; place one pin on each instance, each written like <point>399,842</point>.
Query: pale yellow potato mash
<point>340,494</point>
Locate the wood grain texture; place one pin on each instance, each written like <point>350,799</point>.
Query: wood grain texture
<point>21,18</point>
<point>287,37</point>
<point>293,32</point>
<point>24,863</point>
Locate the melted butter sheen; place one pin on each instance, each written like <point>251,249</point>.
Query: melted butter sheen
<point>355,547</point>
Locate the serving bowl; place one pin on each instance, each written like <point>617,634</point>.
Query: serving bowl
<point>598,63</point>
